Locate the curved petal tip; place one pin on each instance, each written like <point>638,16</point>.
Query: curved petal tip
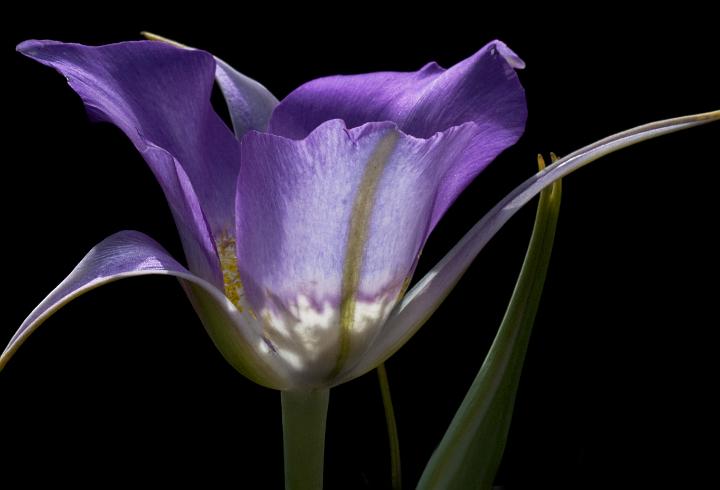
<point>510,56</point>
<point>27,47</point>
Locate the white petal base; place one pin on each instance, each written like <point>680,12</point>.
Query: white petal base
<point>307,335</point>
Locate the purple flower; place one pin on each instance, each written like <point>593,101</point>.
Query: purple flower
<point>301,230</point>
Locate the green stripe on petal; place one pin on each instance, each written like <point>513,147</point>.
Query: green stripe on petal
<point>357,240</point>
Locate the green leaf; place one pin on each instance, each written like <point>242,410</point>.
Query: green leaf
<point>470,452</point>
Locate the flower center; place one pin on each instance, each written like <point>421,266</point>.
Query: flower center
<point>228,262</point>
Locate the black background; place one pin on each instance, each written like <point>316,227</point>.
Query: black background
<point>123,385</point>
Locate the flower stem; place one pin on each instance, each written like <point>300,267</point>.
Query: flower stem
<point>391,428</point>
<point>303,417</point>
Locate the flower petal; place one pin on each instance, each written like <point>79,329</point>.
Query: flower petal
<point>330,228</point>
<point>131,254</point>
<point>482,89</point>
<point>194,231</point>
<point>249,102</point>
<point>425,297</point>
<point>159,96</point>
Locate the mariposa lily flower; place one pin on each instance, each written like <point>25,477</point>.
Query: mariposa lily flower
<point>303,228</point>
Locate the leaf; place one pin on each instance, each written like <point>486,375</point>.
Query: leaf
<point>471,450</point>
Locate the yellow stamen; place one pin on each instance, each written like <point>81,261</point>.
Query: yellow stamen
<point>228,262</point>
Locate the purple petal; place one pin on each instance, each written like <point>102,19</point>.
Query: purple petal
<point>425,297</point>
<point>131,254</point>
<point>250,103</point>
<point>159,96</point>
<point>483,89</point>
<point>340,216</point>
<point>195,234</point>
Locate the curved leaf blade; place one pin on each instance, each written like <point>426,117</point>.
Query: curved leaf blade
<point>471,450</point>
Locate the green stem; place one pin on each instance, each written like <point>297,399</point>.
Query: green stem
<point>391,428</point>
<point>303,417</point>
